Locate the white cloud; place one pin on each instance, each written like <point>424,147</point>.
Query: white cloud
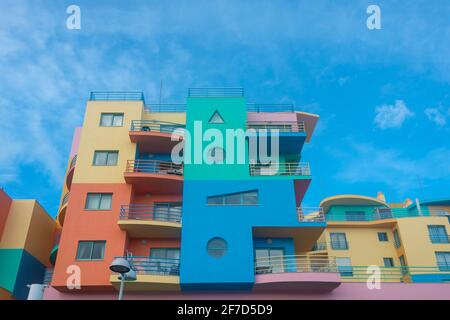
<point>437,116</point>
<point>392,116</point>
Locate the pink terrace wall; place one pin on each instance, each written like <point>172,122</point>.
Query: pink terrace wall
<point>5,205</point>
<point>346,291</point>
<point>75,142</point>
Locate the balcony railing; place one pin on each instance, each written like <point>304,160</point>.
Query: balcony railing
<point>439,239</point>
<point>385,213</point>
<point>165,107</point>
<point>48,276</point>
<point>155,126</point>
<point>148,212</point>
<point>294,263</point>
<point>310,214</point>
<point>73,162</point>
<point>319,246</point>
<point>116,96</point>
<point>274,107</point>
<point>155,266</point>
<point>216,92</point>
<point>65,199</point>
<point>280,169</point>
<point>154,166</point>
<point>389,274</point>
<point>282,126</point>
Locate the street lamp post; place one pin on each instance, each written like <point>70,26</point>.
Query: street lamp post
<point>122,266</point>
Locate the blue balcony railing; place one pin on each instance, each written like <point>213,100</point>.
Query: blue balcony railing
<point>116,96</point>
<point>219,92</point>
<point>155,266</point>
<point>161,212</point>
<point>155,126</point>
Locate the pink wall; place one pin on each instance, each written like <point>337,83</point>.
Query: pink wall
<point>346,291</point>
<point>139,198</point>
<point>5,205</point>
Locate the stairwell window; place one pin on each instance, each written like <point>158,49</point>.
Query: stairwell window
<point>247,198</point>
<point>382,237</point>
<point>111,120</point>
<point>98,201</point>
<point>91,250</point>
<point>106,158</point>
<point>338,241</point>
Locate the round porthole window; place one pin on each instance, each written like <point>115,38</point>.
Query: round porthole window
<point>217,247</point>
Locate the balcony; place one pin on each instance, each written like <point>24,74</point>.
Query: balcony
<point>70,172</point>
<point>300,172</point>
<point>155,176</point>
<point>143,221</point>
<point>153,274</point>
<point>319,246</point>
<point>310,214</point>
<point>153,136</point>
<point>297,273</point>
<point>63,208</point>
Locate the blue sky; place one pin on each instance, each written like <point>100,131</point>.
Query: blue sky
<point>382,95</point>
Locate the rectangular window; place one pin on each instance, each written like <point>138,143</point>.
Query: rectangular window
<point>167,211</point>
<point>438,234</point>
<point>91,250</point>
<point>344,267</point>
<point>269,260</point>
<point>105,158</point>
<point>382,236</point>
<point>248,198</point>
<point>111,120</point>
<point>388,262</point>
<point>397,241</point>
<point>338,241</point>
<point>164,261</point>
<point>355,216</point>
<point>98,201</point>
<point>443,261</point>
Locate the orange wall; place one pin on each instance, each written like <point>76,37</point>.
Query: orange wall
<point>140,198</point>
<point>142,247</point>
<point>5,205</point>
<point>81,224</point>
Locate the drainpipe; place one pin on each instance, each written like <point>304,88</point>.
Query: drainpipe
<point>419,209</point>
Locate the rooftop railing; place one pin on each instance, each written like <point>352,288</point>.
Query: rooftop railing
<point>294,263</point>
<point>270,107</point>
<point>116,96</point>
<point>165,107</point>
<point>154,266</point>
<point>219,92</point>
<point>310,214</point>
<point>154,166</point>
<point>280,169</point>
<point>146,212</point>
<point>282,126</point>
<point>155,126</point>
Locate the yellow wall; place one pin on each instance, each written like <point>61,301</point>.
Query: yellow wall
<point>419,251</point>
<point>364,247</point>
<point>94,137</point>
<point>29,227</point>
<point>175,117</point>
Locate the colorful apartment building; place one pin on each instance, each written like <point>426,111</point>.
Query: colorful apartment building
<point>26,239</point>
<point>230,227</point>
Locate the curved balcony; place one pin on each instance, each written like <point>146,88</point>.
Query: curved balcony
<point>154,176</point>
<point>153,136</point>
<point>63,208</point>
<point>153,274</point>
<point>296,273</point>
<point>70,171</point>
<point>310,214</point>
<point>143,221</point>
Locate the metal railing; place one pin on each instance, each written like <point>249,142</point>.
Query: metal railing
<point>165,107</point>
<point>154,166</point>
<point>230,92</point>
<point>48,276</point>
<point>155,126</point>
<point>386,213</point>
<point>310,214</point>
<point>440,238</point>
<point>65,199</point>
<point>319,246</point>
<point>295,263</point>
<point>150,212</point>
<point>116,96</point>
<point>73,162</point>
<point>273,107</point>
<point>282,126</point>
<point>280,169</point>
<point>389,274</point>
<point>154,266</point>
